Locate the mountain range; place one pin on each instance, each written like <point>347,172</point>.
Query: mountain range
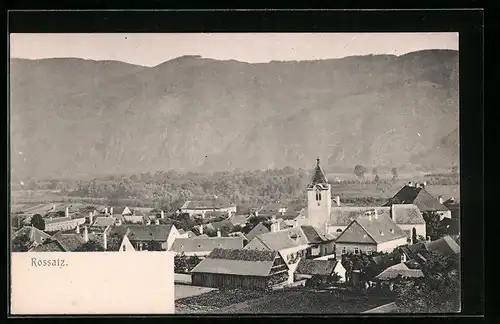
<point>76,117</point>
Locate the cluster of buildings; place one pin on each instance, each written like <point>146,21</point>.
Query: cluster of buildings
<point>291,246</point>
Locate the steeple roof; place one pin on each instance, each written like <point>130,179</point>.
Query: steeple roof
<point>319,176</point>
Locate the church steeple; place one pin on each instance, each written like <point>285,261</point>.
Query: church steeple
<point>319,176</point>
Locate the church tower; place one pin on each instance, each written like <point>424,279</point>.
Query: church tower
<point>319,199</point>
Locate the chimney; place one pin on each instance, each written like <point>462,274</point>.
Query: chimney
<point>86,234</point>
<point>66,212</point>
<point>428,238</point>
<point>375,214</point>
<point>201,229</point>
<point>105,241</point>
<point>277,226</point>
<point>218,233</point>
<point>424,184</point>
<point>418,185</point>
<point>337,200</point>
<point>53,207</point>
<point>148,222</point>
<point>106,210</point>
<point>77,229</point>
<point>91,218</point>
<point>256,213</point>
<point>157,221</point>
<point>162,214</point>
<point>440,199</point>
<point>111,211</point>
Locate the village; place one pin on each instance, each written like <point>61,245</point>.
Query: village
<point>344,258</point>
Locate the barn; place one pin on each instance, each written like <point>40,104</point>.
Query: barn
<point>240,269</point>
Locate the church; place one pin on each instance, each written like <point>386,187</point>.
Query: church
<point>332,218</point>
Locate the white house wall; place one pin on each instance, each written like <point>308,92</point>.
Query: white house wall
<point>419,228</point>
<point>391,245</point>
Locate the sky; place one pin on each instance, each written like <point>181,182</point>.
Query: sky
<point>154,49</point>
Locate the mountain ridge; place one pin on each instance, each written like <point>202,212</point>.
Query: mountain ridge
<point>204,114</point>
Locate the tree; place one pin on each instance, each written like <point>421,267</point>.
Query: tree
<point>180,264</point>
<point>359,171</point>
<point>433,223</point>
<point>90,246</point>
<point>21,244</point>
<point>394,172</point>
<point>154,246</point>
<point>114,241</point>
<point>437,292</point>
<point>37,221</point>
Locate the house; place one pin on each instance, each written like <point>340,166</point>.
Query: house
<point>32,235</point>
<point>201,246</point>
<point>240,269</point>
<point>69,241</point>
<point>417,195</point>
<point>272,208</point>
<point>126,245</point>
<point>293,244</point>
<point>445,245</point>
<point>306,269</point>
<point>239,220</point>
<point>419,252</point>
<point>70,220</point>
<point>122,210</point>
<point>199,208</point>
<point>49,246</point>
<point>257,230</point>
<point>184,234</point>
<point>140,235</point>
<point>103,222</point>
<point>401,270</point>
<point>409,218</point>
<point>369,233</point>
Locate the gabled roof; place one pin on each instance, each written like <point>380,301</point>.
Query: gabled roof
<point>34,235</point>
<point>238,219</point>
<point>200,244</point>
<point>238,262</point>
<point>445,245</point>
<point>257,230</point>
<point>273,207</point>
<point>104,221</point>
<point>407,214</point>
<point>314,235</point>
<point>52,246</point>
<point>380,229</point>
<point>139,232</point>
<point>344,215</point>
<point>219,225</point>
<point>400,269</point>
<point>417,196</point>
<point>316,267</point>
<point>283,239</point>
<point>319,176</point>
<point>69,241</point>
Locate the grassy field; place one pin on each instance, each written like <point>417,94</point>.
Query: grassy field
<point>301,301</point>
<point>185,291</point>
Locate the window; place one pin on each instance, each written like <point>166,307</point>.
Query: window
<point>318,195</point>
<point>343,250</point>
<point>356,250</point>
<point>124,248</point>
<point>339,230</point>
